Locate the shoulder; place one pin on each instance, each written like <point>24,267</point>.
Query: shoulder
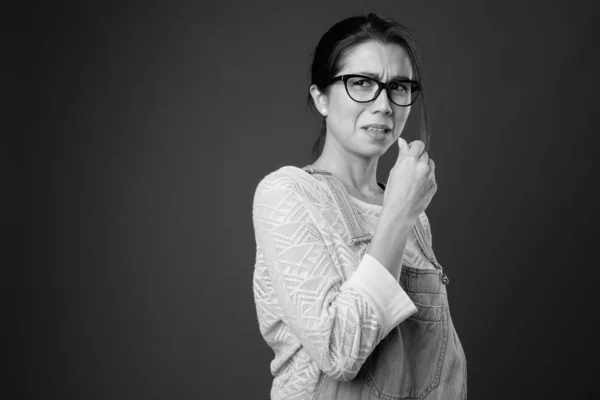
<point>290,178</point>
<point>287,176</point>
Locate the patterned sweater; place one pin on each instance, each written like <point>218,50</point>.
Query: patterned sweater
<point>321,306</point>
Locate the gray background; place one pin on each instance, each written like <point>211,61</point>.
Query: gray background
<point>147,127</point>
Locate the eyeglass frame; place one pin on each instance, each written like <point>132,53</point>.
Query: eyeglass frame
<point>344,78</point>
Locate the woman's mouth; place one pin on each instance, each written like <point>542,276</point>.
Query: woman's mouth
<point>376,133</point>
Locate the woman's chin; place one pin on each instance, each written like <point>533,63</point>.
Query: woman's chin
<point>374,149</point>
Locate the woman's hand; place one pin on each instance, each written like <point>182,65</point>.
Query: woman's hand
<point>411,183</point>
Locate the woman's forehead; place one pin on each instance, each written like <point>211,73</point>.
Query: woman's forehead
<point>390,60</point>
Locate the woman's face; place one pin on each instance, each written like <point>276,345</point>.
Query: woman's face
<point>346,118</point>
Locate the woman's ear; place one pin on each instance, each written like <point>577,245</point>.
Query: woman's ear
<point>320,99</point>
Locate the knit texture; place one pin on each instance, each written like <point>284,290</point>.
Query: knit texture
<point>322,304</point>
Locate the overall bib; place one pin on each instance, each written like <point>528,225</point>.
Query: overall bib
<point>422,357</point>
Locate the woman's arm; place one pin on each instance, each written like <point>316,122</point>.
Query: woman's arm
<point>338,323</point>
<point>389,242</point>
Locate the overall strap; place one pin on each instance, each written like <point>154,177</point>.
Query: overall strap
<point>428,249</point>
<point>354,224</point>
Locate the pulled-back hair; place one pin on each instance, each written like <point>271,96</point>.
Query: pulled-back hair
<point>343,37</point>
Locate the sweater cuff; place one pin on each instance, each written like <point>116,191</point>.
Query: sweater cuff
<point>382,291</point>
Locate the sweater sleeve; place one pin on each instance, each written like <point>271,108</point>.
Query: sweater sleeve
<point>338,323</point>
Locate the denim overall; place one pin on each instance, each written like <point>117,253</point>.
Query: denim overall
<point>422,357</point>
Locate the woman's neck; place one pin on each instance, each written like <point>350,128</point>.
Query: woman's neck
<point>358,175</point>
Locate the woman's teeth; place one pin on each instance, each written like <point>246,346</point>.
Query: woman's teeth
<point>376,130</point>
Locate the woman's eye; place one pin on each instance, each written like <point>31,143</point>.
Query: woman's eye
<point>363,82</point>
<point>398,87</point>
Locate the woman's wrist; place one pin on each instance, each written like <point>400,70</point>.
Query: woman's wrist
<point>389,242</point>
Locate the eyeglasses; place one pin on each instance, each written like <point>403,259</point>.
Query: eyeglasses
<point>363,89</point>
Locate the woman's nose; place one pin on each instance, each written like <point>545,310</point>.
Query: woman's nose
<point>382,103</point>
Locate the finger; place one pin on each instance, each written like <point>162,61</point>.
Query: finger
<point>431,173</point>
<point>403,146</point>
<point>416,148</point>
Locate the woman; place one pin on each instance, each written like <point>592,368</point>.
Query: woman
<point>348,292</point>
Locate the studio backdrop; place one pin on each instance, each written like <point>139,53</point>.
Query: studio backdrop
<point>151,123</point>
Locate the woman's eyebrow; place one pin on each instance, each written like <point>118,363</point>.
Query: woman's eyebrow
<point>379,77</point>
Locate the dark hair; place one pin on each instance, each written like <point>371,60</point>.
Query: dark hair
<point>341,38</point>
